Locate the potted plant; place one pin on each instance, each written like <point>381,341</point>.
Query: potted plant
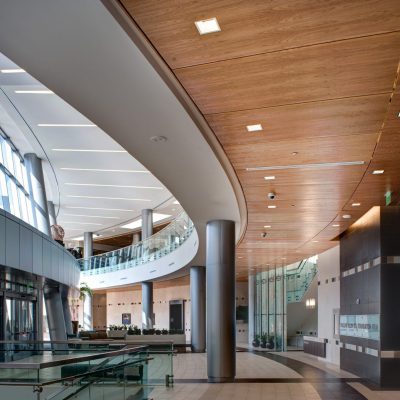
<point>164,332</point>
<point>256,341</point>
<point>264,340</point>
<point>158,332</point>
<point>271,342</point>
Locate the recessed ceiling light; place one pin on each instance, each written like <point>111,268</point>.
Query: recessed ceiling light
<point>67,125</point>
<point>78,238</point>
<point>117,186</point>
<point>378,171</point>
<point>138,223</point>
<point>240,257</point>
<point>283,258</point>
<point>106,198</point>
<point>294,153</point>
<point>267,226</point>
<point>356,204</point>
<point>315,241</point>
<point>175,202</point>
<point>271,206</point>
<point>335,225</point>
<point>398,114</point>
<point>105,170</point>
<point>90,151</point>
<point>158,139</point>
<point>91,216</point>
<point>269,178</point>
<point>44,91</point>
<point>254,128</point>
<point>99,208</point>
<point>346,216</point>
<point>205,26</point>
<point>12,71</point>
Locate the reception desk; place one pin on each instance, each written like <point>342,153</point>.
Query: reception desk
<point>315,346</point>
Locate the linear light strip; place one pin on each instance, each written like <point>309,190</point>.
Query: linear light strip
<point>91,216</point>
<point>106,198</point>
<point>116,186</point>
<point>90,151</point>
<point>67,125</point>
<point>44,91</point>
<point>299,166</point>
<point>12,71</point>
<point>100,208</point>
<point>105,170</point>
<point>80,223</point>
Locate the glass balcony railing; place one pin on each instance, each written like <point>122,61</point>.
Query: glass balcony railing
<point>151,249</point>
<point>299,279</point>
<point>89,370</point>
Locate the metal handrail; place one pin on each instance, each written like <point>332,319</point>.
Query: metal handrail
<point>143,251</point>
<point>73,378</point>
<point>74,360</point>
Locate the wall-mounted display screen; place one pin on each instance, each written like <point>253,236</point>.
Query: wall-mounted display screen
<point>360,326</point>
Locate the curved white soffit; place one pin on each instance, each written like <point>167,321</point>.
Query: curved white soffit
<point>78,50</point>
<point>165,266</point>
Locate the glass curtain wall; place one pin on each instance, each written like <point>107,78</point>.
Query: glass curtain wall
<point>270,309</point>
<point>14,190</point>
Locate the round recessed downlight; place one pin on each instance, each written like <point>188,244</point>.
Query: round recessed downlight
<point>158,139</point>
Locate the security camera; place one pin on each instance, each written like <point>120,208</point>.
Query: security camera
<point>271,195</point>
<point>264,235</point>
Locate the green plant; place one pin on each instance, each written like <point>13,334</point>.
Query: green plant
<point>164,332</point>
<point>84,290</point>
<point>158,332</point>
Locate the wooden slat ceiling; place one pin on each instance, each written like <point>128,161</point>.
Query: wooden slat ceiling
<point>320,76</point>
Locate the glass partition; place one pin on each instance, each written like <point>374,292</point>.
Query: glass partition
<point>160,244</point>
<point>275,288</point>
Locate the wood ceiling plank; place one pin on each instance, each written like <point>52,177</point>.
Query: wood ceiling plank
<point>341,117</point>
<point>253,27</point>
<point>341,69</point>
<point>289,177</point>
<point>319,150</point>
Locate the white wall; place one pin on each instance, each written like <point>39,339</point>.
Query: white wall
<point>108,307</point>
<point>328,300</point>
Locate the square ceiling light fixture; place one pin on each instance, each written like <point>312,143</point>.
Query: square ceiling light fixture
<point>206,26</point>
<point>254,128</point>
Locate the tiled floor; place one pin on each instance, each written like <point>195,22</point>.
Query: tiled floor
<point>287,376</point>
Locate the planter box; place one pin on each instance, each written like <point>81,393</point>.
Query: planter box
<point>149,339</point>
<point>116,334</point>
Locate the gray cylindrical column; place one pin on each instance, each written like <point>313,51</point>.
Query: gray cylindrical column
<point>87,302</point>
<point>147,223</point>
<point>221,318</point>
<point>198,309</point>
<point>37,191</point>
<point>66,309</point>
<point>147,305</point>
<point>147,287</point>
<point>87,313</point>
<point>55,314</point>
<point>136,238</point>
<point>87,244</point>
<point>52,213</point>
<point>252,294</point>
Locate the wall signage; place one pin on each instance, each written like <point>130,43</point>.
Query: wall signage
<point>360,326</point>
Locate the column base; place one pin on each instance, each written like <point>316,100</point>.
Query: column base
<point>220,380</point>
<point>193,350</point>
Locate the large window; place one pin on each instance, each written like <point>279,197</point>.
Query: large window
<point>14,195</point>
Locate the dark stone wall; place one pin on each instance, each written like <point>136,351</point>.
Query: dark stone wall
<point>372,242</point>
